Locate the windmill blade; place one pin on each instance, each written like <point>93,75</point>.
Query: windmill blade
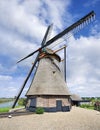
<point>47,34</point>
<point>26,57</point>
<point>25,81</point>
<point>67,30</point>
<point>77,24</point>
<point>46,37</point>
<point>65,62</point>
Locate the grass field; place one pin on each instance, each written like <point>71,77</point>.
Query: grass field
<point>2,110</point>
<point>6,109</point>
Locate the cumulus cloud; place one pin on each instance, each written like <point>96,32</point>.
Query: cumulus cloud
<point>22,26</point>
<point>9,85</point>
<point>83,65</point>
<point>14,17</point>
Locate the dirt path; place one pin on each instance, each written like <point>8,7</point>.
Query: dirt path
<point>77,119</point>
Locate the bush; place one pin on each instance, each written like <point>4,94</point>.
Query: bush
<point>22,102</point>
<point>39,110</point>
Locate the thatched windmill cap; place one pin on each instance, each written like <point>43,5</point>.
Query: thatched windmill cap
<point>51,53</point>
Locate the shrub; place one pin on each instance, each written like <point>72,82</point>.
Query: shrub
<point>88,106</point>
<point>22,102</point>
<point>39,110</point>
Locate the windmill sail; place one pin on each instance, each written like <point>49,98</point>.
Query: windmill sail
<point>71,28</point>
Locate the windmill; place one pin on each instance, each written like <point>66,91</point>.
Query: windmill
<point>48,88</point>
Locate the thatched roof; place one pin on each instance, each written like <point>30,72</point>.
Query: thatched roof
<point>48,79</point>
<point>75,97</point>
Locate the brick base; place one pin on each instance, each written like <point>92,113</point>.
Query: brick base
<point>49,103</point>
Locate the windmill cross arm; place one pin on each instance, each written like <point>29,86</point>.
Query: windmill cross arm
<point>85,18</point>
<point>67,30</point>
<point>44,41</point>
<point>82,20</point>
<point>47,34</point>
<point>39,49</point>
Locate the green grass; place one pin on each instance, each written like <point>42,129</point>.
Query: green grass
<point>19,106</point>
<point>6,109</point>
<point>87,106</point>
<point>91,107</point>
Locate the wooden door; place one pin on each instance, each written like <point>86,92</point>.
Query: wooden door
<point>59,105</point>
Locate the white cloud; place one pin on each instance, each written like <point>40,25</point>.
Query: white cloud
<point>18,19</point>
<point>7,69</point>
<point>84,66</point>
<point>22,27</point>
<point>10,86</point>
<point>22,21</point>
<point>95,30</point>
<point>91,3</point>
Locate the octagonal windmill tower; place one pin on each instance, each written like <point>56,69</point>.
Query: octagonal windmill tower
<point>48,88</point>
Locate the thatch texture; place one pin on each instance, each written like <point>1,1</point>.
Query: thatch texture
<point>48,79</point>
<point>75,97</point>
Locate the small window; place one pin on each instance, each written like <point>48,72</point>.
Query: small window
<point>54,72</point>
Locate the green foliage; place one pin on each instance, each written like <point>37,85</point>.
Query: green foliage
<point>97,105</point>
<point>6,109</point>
<point>39,110</point>
<point>2,110</point>
<point>92,99</point>
<point>22,102</point>
<point>97,108</point>
<point>88,106</point>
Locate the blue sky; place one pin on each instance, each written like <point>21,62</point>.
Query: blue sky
<point>22,26</point>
